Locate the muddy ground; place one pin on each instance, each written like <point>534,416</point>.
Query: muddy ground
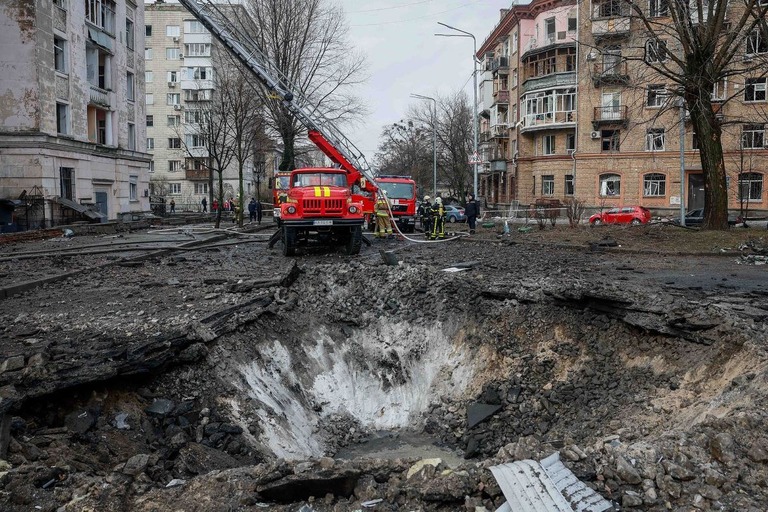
<point>203,371</point>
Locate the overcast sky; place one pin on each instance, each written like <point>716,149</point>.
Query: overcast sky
<point>404,56</point>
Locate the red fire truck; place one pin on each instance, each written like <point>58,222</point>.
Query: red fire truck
<point>328,213</point>
<point>401,192</point>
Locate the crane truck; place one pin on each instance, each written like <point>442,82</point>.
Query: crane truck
<point>325,205</point>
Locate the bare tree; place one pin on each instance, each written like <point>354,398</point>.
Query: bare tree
<point>697,45</point>
<point>306,40</point>
<point>406,150</point>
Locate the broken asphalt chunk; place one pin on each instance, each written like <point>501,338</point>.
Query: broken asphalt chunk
<point>478,412</point>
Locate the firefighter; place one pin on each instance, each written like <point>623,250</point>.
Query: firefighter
<point>383,222</point>
<point>425,213</point>
<point>438,219</point>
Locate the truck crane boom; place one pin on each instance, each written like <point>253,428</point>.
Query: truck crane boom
<point>321,130</point>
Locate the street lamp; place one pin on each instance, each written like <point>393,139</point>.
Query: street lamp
<point>464,33</point>
<point>434,140</point>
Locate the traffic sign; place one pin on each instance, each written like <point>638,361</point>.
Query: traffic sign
<point>475,159</point>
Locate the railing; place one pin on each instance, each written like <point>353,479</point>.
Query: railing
<point>501,96</point>
<point>613,113</point>
<point>99,96</point>
<point>500,130</point>
<point>548,118</point>
<point>500,63</point>
<point>610,9</point>
<point>609,69</point>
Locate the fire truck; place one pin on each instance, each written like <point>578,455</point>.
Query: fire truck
<point>401,192</point>
<point>322,205</point>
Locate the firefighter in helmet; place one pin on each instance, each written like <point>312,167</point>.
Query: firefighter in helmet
<point>425,213</point>
<point>383,221</point>
<point>438,219</point>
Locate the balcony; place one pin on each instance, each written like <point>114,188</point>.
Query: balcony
<point>501,97</point>
<point>549,81</point>
<point>500,64</point>
<point>612,27</point>
<point>197,174</point>
<point>547,121</point>
<point>485,136</point>
<point>609,73</point>
<point>99,96</point>
<point>614,114</point>
<point>500,131</point>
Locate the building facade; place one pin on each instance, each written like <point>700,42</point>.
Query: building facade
<point>72,135</point>
<point>571,111</point>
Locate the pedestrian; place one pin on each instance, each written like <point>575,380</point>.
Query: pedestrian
<point>472,211</point>
<point>232,204</point>
<point>204,202</point>
<point>438,219</point>
<point>425,214</point>
<point>226,205</point>
<point>215,205</point>
<point>258,212</point>
<point>252,210</point>
<point>173,206</point>
<point>383,222</point>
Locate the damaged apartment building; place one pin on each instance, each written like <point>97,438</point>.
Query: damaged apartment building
<point>72,132</point>
<point>569,110</point>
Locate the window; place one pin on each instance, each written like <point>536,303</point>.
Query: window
<point>753,136</point>
<point>654,139</point>
<point>147,53</point>
<point>197,95</point>
<point>62,118</point>
<point>129,34</point>
<point>149,76</point>
<point>656,96</point>
<point>572,24</point>
<point>194,27</point>
<point>173,76</point>
<point>548,145</point>
<point>172,31</point>
<point>719,90</point>
<point>610,185</point>
<point>131,136</point>
<point>548,185</point>
<point>695,141</point>
<point>610,140</point>
<point>173,98</point>
<point>513,42</point>
<point>174,189</point>
<point>174,143</point>
<point>149,98</point>
<point>549,27</point>
<point>609,9</point>
<point>174,165</point>
<point>173,120</point>
<point>60,54</point>
<point>754,89</point>
<point>658,8</point>
<point>757,42</point>
<point>194,140</point>
<point>654,184</point>
<point>147,30</point>
<point>201,187</point>
<point>197,50</point>
<point>133,188</point>
<point>193,116</point>
<point>655,51</point>
<point>199,73</point>
<point>751,186</point>
<point>130,90</point>
<point>152,166</point>
<point>570,142</point>
<point>67,182</point>
<point>569,184</point>
<point>150,121</point>
<point>172,54</point>
<point>101,13</point>
<point>150,143</point>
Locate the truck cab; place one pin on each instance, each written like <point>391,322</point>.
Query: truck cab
<point>320,208</point>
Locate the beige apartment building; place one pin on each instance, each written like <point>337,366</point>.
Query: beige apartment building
<point>565,115</point>
<point>72,136</point>
<point>181,61</point>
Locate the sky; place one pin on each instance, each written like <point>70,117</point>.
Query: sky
<point>404,56</point>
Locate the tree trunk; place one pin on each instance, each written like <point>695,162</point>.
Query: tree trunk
<point>221,197</point>
<point>713,163</point>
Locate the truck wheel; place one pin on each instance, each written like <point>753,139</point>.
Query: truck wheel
<point>289,241</point>
<point>355,240</point>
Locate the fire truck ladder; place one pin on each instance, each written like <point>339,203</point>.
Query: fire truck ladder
<point>321,130</point>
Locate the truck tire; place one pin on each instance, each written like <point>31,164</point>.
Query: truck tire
<point>289,241</point>
<point>354,241</point>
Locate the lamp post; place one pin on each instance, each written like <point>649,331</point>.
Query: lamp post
<point>434,140</point>
<point>464,33</point>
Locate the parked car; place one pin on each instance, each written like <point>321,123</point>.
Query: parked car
<point>696,218</point>
<point>624,215</point>
<point>454,213</point>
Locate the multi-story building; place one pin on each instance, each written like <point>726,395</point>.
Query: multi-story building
<point>586,118</point>
<point>181,60</point>
<point>72,109</point>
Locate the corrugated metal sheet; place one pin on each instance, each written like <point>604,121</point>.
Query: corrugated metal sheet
<point>548,486</point>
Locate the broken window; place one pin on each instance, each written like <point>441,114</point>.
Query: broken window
<point>548,185</point>
<point>62,118</point>
<point>754,89</point>
<point>610,185</point>
<point>60,54</point>
<point>751,186</point>
<point>569,184</point>
<point>610,140</point>
<point>654,139</point>
<point>656,96</point>
<point>654,184</point>
<point>67,182</point>
<point>753,136</point>
<point>655,51</point>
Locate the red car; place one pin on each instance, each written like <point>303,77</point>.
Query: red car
<point>625,215</point>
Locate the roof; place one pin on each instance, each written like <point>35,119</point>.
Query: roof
<point>546,486</point>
